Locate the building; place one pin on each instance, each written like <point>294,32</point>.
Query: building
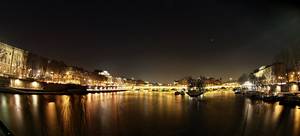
<point>119,81</point>
<point>75,75</point>
<point>271,74</point>
<point>18,63</point>
<point>210,81</point>
<point>12,61</point>
<point>277,78</point>
<point>107,75</point>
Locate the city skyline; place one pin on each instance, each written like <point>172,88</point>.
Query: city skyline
<point>150,68</point>
<point>155,43</point>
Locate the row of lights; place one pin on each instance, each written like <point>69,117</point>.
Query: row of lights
<point>19,83</point>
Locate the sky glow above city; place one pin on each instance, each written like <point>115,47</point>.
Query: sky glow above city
<point>155,40</point>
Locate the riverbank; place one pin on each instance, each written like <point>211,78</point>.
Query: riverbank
<point>284,98</point>
<point>29,86</point>
<point>45,92</point>
<point>40,92</point>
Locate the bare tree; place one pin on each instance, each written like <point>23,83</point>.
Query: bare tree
<point>196,87</point>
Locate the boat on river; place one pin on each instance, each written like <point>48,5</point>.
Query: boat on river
<point>195,93</point>
<point>270,98</point>
<point>196,87</point>
<point>290,99</point>
<point>180,92</point>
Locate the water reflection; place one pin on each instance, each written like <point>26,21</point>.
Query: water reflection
<point>51,117</point>
<point>18,112</point>
<point>296,121</point>
<point>147,113</point>
<point>4,108</point>
<point>17,100</point>
<point>34,100</point>
<point>66,115</point>
<point>3,101</point>
<point>277,112</point>
<point>270,119</point>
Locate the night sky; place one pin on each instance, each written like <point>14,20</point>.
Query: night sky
<point>155,40</point>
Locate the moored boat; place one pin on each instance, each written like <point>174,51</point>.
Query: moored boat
<point>290,99</point>
<point>270,98</point>
<point>196,87</point>
<point>195,94</point>
<point>179,93</point>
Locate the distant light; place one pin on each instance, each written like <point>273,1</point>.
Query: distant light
<point>34,100</point>
<point>35,84</point>
<point>294,88</point>
<point>17,100</point>
<point>18,82</point>
<point>278,88</point>
<point>248,85</point>
<point>104,73</point>
<point>262,67</point>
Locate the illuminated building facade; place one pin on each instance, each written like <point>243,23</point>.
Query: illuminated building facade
<point>12,61</point>
<point>212,81</point>
<point>271,74</point>
<point>107,75</point>
<point>18,63</point>
<point>74,75</point>
<point>277,77</point>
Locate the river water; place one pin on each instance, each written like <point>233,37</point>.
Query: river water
<point>146,114</point>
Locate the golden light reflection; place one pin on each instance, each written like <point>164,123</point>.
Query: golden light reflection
<point>35,110</point>
<point>17,100</point>
<point>111,111</point>
<point>277,112</point>
<point>18,109</point>
<point>3,101</point>
<point>89,98</point>
<point>268,113</point>
<point>34,100</point>
<point>248,111</point>
<point>51,118</point>
<point>296,121</point>
<point>4,107</point>
<point>66,115</point>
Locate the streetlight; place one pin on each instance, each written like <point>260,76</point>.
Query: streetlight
<point>280,79</point>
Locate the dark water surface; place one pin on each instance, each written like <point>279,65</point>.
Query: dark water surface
<point>145,114</point>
